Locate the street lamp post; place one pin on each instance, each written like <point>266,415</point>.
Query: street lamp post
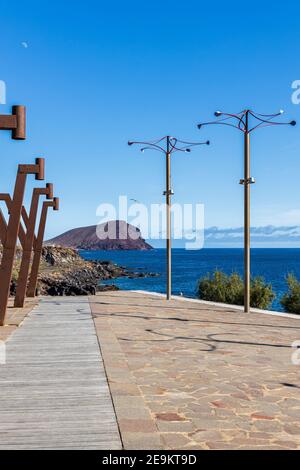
<point>246,182</point>
<point>241,122</point>
<point>168,145</point>
<point>168,193</point>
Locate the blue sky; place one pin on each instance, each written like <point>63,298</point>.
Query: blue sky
<point>95,74</point>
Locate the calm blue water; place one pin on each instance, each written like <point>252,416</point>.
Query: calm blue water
<point>189,266</point>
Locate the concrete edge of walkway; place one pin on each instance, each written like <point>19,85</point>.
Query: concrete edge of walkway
<point>15,318</point>
<point>219,304</point>
<point>136,425</point>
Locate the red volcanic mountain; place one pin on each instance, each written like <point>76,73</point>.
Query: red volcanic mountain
<point>113,235</point>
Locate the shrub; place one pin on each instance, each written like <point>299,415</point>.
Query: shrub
<point>229,289</point>
<point>291,299</point>
<point>221,288</point>
<point>261,294</point>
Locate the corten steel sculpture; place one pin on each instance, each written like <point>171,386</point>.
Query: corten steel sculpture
<point>241,121</point>
<point>168,145</point>
<point>15,122</point>
<point>3,225</point>
<point>29,240</point>
<point>12,231</point>
<point>38,245</point>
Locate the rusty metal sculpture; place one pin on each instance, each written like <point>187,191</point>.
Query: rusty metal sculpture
<point>38,245</point>
<point>15,122</point>
<point>10,235</point>
<point>3,225</point>
<point>29,240</point>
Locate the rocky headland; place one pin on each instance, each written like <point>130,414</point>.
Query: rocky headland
<point>112,235</point>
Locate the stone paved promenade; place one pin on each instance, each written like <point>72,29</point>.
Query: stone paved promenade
<point>54,392</point>
<point>187,375</point>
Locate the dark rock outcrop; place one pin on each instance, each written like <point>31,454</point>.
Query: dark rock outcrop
<point>65,272</point>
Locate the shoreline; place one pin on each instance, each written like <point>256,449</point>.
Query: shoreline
<point>188,267</point>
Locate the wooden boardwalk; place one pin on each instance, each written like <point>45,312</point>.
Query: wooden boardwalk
<point>54,392</point>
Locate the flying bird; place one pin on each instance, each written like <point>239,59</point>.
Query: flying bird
<point>24,44</point>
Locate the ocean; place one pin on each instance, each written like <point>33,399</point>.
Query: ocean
<point>188,266</point>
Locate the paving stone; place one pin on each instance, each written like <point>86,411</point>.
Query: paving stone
<point>141,441</point>
<point>223,373</point>
<point>292,429</point>
<point>175,426</point>
<point>137,425</point>
<point>174,440</point>
<point>169,417</point>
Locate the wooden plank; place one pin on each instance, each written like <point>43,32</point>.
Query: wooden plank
<point>54,392</point>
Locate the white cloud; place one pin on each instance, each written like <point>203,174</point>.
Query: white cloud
<point>270,235</point>
<point>274,216</point>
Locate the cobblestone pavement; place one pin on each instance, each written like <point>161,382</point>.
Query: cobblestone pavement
<point>188,375</point>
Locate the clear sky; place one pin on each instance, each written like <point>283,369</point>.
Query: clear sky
<point>94,74</point>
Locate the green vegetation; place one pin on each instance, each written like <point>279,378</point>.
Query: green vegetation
<point>291,300</point>
<point>219,287</point>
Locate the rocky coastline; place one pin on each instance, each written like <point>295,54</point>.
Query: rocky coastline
<point>64,272</point>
